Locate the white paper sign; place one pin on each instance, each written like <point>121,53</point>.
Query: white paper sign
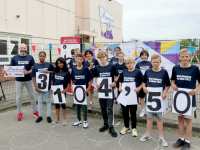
<point>80,97</point>
<point>182,102</point>
<point>105,91</point>
<point>14,71</point>
<point>94,84</point>
<point>128,96</point>
<point>42,80</point>
<point>155,103</point>
<point>58,96</point>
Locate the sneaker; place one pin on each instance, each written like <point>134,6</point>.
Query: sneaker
<point>145,138</point>
<point>90,107</point>
<point>120,110</point>
<point>142,114</point>
<point>125,130</point>
<point>103,128</point>
<point>20,116</point>
<point>134,132</point>
<point>85,125</point>
<point>38,119</point>
<point>77,123</point>
<point>162,140</point>
<point>74,105</point>
<point>186,146</point>
<point>55,122</point>
<point>64,122</point>
<point>49,119</point>
<point>112,132</point>
<point>178,143</point>
<point>36,114</point>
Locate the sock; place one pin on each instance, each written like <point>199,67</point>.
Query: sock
<point>85,121</point>
<point>143,109</point>
<point>187,141</point>
<point>182,138</point>
<point>91,103</point>
<point>161,137</point>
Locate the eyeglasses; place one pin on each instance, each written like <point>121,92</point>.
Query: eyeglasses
<point>129,63</point>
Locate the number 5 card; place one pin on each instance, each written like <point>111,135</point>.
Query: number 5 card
<point>155,103</point>
<point>58,96</point>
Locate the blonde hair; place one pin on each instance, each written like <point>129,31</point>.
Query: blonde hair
<point>102,54</point>
<point>129,59</point>
<point>155,56</point>
<point>184,50</point>
<point>120,52</point>
<point>77,50</point>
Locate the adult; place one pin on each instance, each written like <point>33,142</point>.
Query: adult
<point>23,59</point>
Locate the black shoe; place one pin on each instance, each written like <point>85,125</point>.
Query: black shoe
<point>103,128</point>
<point>186,146</point>
<point>49,119</point>
<point>112,132</point>
<point>73,105</point>
<point>178,143</point>
<point>38,119</point>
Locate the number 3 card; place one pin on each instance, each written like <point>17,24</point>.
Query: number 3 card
<point>42,80</point>
<point>182,102</point>
<point>105,91</point>
<point>155,103</point>
<point>128,96</point>
<point>58,96</point>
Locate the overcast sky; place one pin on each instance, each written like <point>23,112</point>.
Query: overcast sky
<point>160,19</point>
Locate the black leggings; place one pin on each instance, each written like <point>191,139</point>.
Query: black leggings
<point>125,112</point>
<point>57,106</point>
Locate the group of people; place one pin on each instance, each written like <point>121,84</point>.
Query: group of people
<point>83,72</point>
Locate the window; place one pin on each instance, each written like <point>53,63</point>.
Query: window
<point>15,49</point>
<point>3,47</point>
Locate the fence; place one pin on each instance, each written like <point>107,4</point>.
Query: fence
<point>7,85</point>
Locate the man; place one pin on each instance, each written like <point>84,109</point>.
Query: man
<point>27,61</point>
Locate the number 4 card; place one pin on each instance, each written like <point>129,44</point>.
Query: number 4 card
<point>155,103</point>
<point>105,91</point>
<point>58,96</point>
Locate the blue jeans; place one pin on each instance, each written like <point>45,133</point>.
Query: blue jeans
<point>48,102</point>
<point>154,114</point>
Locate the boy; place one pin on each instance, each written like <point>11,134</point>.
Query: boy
<point>73,61</point>
<point>72,53</point>
<point>81,75</point>
<point>143,66</point>
<point>136,76</point>
<point>162,80</point>
<point>106,70</point>
<point>115,59</point>
<point>191,71</point>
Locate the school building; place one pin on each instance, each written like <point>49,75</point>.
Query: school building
<point>41,22</point>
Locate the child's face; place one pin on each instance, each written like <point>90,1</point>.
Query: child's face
<point>117,51</point>
<point>73,55</point>
<point>156,63</point>
<point>144,57</point>
<point>60,65</point>
<point>79,60</point>
<point>88,55</point>
<point>185,57</point>
<point>121,57</point>
<point>42,57</point>
<point>76,52</point>
<point>103,59</point>
<point>130,65</point>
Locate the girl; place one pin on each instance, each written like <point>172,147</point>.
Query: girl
<point>61,76</point>
<point>43,67</point>
<point>91,63</point>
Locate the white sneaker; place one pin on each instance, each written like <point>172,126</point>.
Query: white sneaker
<point>142,114</point>
<point>85,125</point>
<point>145,138</point>
<point>55,122</point>
<point>77,123</point>
<point>64,122</point>
<point>162,140</point>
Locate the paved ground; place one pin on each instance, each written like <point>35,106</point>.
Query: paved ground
<point>26,134</point>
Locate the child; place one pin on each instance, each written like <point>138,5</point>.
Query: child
<point>136,76</point>
<point>81,76</point>
<point>120,66</point>
<point>106,70</point>
<point>191,71</point>
<point>151,75</point>
<point>91,63</point>
<point>143,66</point>
<point>61,76</point>
<point>43,67</point>
<point>73,54</point>
<point>115,59</point>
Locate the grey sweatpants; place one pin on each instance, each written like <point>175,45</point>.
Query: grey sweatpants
<point>19,88</point>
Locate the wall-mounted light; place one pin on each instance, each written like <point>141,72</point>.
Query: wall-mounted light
<point>17,16</point>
